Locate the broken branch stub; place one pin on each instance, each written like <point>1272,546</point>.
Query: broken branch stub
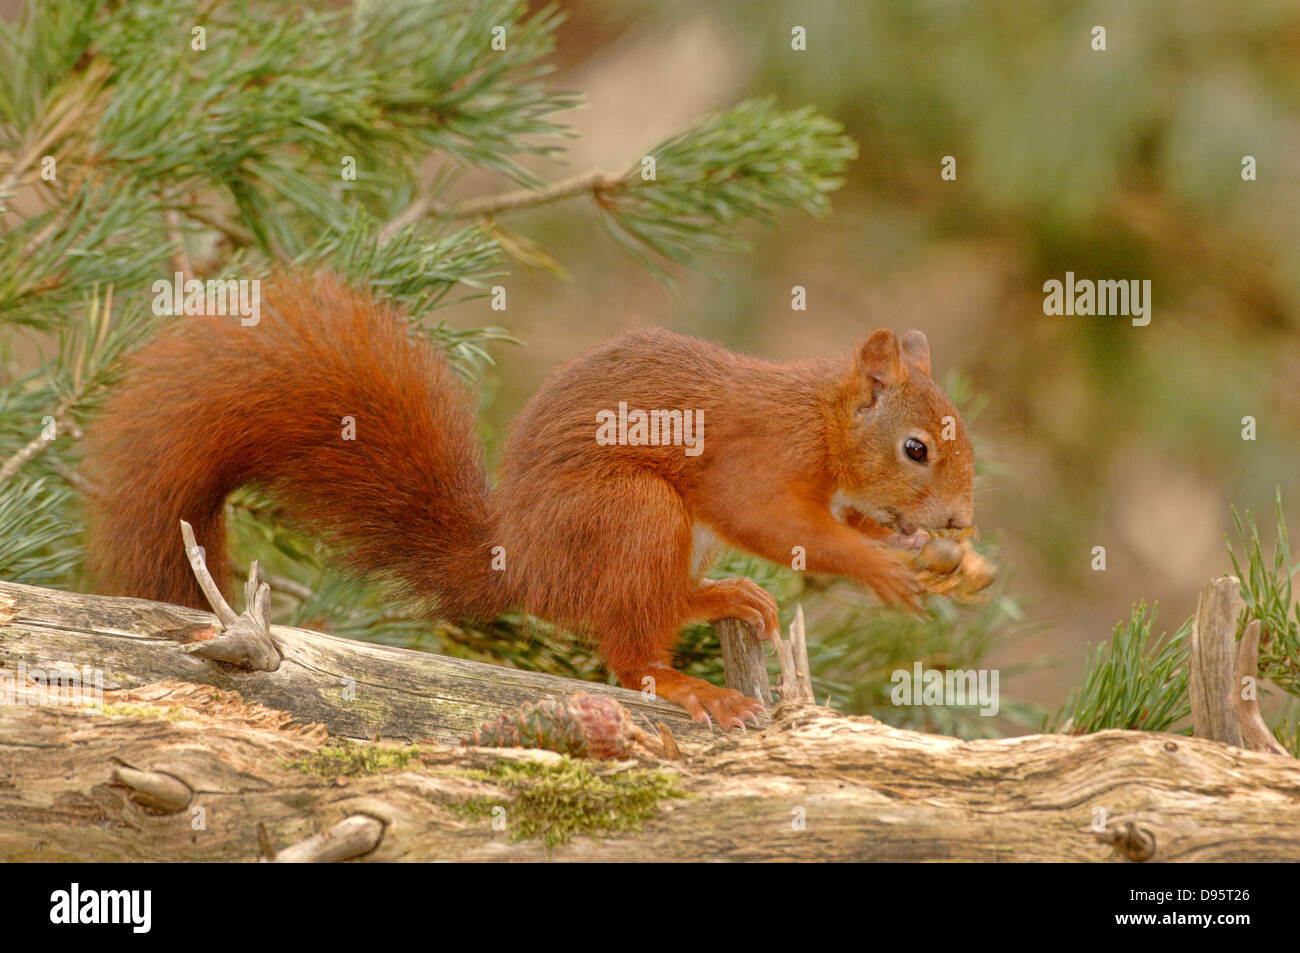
<point>1212,661</point>
<point>795,685</point>
<point>352,837</point>
<point>1223,674</point>
<point>1244,694</point>
<point>246,639</point>
<point>743,663</point>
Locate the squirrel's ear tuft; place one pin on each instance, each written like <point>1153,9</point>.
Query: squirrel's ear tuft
<point>879,358</point>
<point>916,351</point>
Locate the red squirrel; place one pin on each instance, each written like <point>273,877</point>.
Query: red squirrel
<point>837,456</point>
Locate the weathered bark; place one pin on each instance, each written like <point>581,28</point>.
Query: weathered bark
<point>1211,661</point>
<point>813,786</point>
<point>744,661</point>
<point>1223,673</point>
<point>356,689</point>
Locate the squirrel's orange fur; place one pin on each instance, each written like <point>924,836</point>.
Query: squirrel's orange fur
<point>599,538</point>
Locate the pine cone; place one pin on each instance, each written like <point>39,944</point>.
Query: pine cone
<point>948,565</point>
<point>581,725</point>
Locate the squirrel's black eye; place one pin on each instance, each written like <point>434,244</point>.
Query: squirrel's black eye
<point>914,449</point>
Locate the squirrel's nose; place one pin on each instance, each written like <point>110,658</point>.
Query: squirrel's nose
<point>959,521</point>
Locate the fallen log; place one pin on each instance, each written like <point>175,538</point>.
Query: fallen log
<point>356,689</point>
<point>815,785</point>
<point>172,770</point>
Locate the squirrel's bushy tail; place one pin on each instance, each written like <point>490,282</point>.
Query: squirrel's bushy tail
<point>211,405</point>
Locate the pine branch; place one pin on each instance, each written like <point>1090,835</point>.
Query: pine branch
<point>1266,591</point>
<point>37,444</point>
<point>1134,682</point>
<point>89,349</point>
<point>732,167</point>
<point>68,103</point>
<point>598,184</point>
<point>236,234</point>
<point>36,538</point>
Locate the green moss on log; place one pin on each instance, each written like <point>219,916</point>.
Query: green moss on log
<point>556,800</point>
<point>351,759</point>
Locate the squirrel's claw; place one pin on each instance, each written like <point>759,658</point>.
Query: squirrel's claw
<point>703,701</point>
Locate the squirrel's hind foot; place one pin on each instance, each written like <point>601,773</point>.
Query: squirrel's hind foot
<point>703,701</point>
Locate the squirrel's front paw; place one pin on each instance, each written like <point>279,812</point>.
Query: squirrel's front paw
<point>741,599</point>
<point>896,582</point>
